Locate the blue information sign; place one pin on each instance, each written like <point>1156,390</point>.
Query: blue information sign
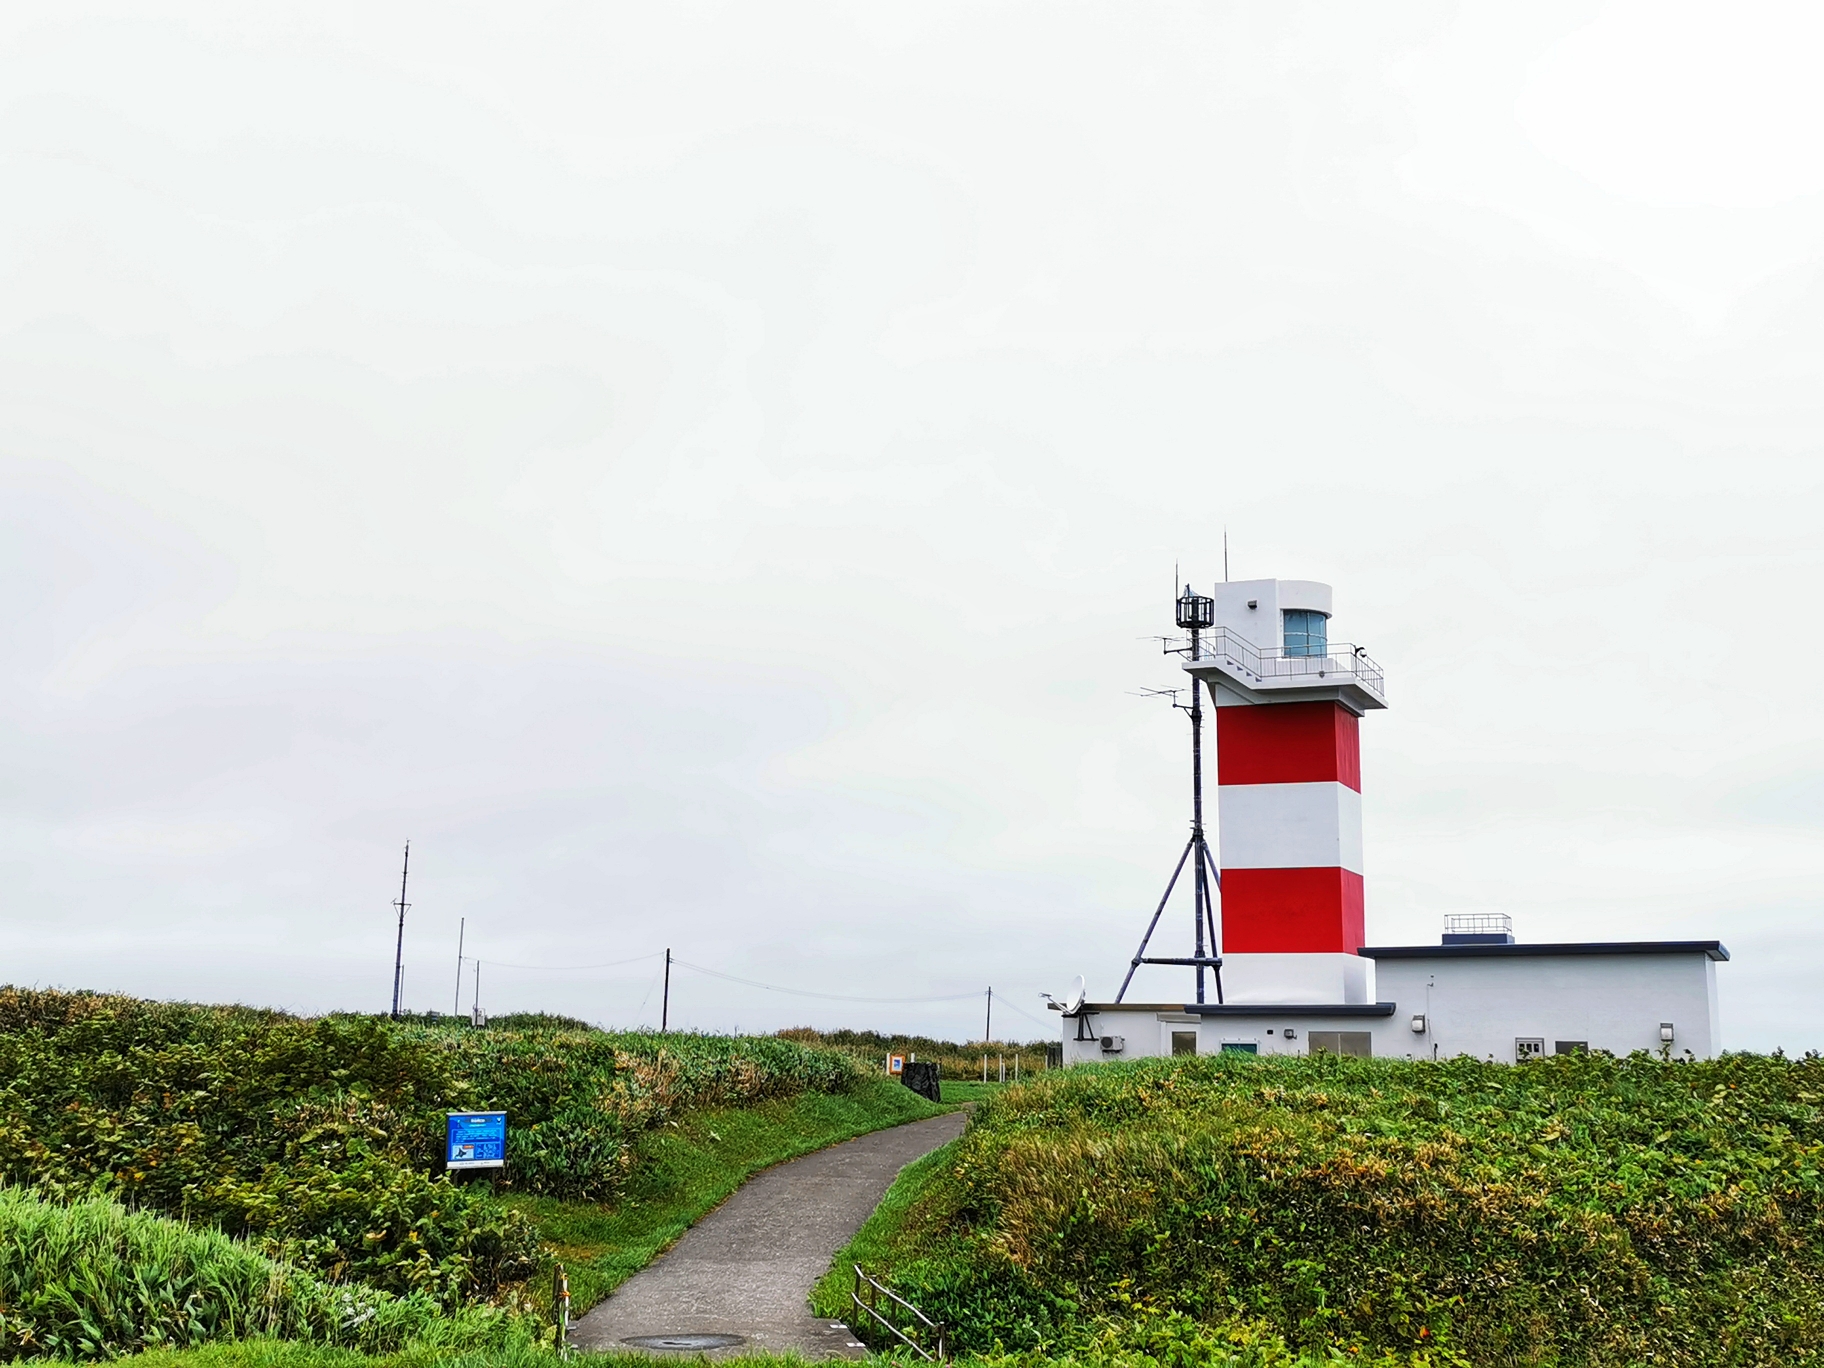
<point>477,1140</point>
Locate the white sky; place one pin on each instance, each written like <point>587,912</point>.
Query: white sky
<point>704,474</point>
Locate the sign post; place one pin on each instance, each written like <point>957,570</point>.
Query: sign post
<point>477,1140</point>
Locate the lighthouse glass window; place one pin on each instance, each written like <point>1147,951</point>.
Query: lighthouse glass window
<point>1307,632</point>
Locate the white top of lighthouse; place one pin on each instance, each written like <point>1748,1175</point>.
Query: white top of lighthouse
<point>1270,643</point>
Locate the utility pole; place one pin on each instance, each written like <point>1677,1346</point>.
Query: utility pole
<point>665,1000</point>
<point>399,946</point>
<point>462,926</point>
<point>988,1019</point>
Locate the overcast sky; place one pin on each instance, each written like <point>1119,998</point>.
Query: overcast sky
<point>706,476</point>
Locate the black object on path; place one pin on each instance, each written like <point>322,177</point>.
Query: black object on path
<point>920,1075</point>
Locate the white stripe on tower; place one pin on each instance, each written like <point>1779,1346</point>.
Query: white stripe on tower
<point>1289,826</point>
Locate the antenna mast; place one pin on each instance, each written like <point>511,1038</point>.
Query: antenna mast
<point>399,946</point>
<point>1195,613</point>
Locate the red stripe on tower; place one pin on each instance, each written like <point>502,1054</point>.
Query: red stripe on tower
<point>1288,795</point>
<point>1291,911</point>
<point>1289,743</point>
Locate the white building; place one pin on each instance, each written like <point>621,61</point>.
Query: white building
<point>1297,975</point>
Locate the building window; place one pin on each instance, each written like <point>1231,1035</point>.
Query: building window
<point>1357,1043</point>
<point>1184,1042</point>
<point>1307,632</point>
<point>1241,1046</point>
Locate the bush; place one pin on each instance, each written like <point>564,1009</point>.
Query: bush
<point>1583,1210</point>
<point>314,1138</point>
<point>957,1062</point>
<point>321,1139</point>
<point>577,1099</point>
<point>92,1281</point>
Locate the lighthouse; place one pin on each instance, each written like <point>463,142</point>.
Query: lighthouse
<point>1289,702</point>
<point>1286,934</point>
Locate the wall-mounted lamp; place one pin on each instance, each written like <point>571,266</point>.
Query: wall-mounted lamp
<point>1291,1034</point>
<point>1665,1033</point>
<point>1418,1023</point>
<point>1253,603</point>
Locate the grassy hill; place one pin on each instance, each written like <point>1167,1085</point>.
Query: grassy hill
<point>1583,1210</point>
<point>90,1279</point>
<point>316,1144</point>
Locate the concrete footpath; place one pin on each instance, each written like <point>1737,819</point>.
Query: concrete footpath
<point>740,1279</point>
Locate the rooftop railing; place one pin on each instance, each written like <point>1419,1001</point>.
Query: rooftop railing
<point>1478,923</point>
<point>1339,659</point>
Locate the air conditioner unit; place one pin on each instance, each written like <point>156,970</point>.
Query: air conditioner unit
<point>1113,1044</point>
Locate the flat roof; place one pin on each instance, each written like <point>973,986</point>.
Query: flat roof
<point>1301,1009</point>
<point>1714,949</point>
<point>1250,1009</point>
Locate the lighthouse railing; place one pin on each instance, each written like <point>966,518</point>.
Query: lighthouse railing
<point>1339,658</point>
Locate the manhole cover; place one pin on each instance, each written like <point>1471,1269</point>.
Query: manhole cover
<point>685,1343</point>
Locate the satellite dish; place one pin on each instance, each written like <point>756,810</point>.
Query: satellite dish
<point>1073,1000</point>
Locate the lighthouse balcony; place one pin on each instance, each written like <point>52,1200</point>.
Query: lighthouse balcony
<point>1229,662</point>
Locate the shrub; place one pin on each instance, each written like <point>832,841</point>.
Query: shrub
<point>577,1099</point>
<point>958,1061</point>
<point>322,1139</point>
<point>1583,1210</point>
<point>312,1137</point>
<point>91,1280</point>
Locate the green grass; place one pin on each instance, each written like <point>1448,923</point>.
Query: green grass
<point>320,1140</point>
<point>881,1237</point>
<point>282,1354</point>
<point>890,1236</point>
<point>1580,1212</point>
<point>91,1280</point>
<point>688,1167</point>
<point>968,1090</point>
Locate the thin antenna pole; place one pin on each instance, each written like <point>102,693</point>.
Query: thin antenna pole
<point>665,1001</point>
<point>1200,900</point>
<point>462,926</point>
<point>1225,553</point>
<point>475,1002</point>
<point>988,1020</point>
<point>1208,954</point>
<point>399,946</point>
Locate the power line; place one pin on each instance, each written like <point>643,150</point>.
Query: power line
<point>1007,1003</point>
<point>555,968</point>
<point>751,983</point>
<point>805,992</point>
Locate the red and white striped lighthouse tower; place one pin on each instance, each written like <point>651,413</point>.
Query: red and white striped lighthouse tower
<point>1289,791</point>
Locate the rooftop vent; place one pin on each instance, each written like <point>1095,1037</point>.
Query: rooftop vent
<point>1478,928</point>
